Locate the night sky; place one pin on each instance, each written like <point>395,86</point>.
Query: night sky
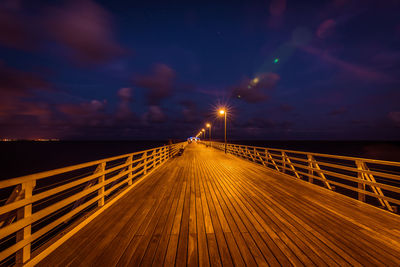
<point>157,70</point>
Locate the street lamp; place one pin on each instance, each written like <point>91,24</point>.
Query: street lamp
<point>222,112</point>
<point>208,125</point>
<point>204,133</point>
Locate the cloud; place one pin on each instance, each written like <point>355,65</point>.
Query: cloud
<point>85,28</point>
<point>254,90</point>
<point>83,109</point>
<point>358,71</point>
<point>160,83</point>
<point>189,111</point>
<point>394,116</point>
<point>326,28</point>
<point>126,96</point>
<point>338,111</point>
<point>154,115</point>
<point>14,81</point>
<point>16,29</point>
<point>286,108</point>
<point>16,90</point>
<point>277,9</point>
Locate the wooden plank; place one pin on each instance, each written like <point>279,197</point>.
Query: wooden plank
<point>221,210</point>
<point>192,257</point>
<point>159,256</point>
<point>200,223</point>
<point>220,238</point>
<point>148,234</point>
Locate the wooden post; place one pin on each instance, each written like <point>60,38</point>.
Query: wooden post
<point>100,169</point>
<point>284,162</point>
<point>310,171</point>
<point>163,154</point>
<point>24,254</point>
<point>145,163</point>
<point>129,160</point>
<point>361,196</point>
<point>266,157</point>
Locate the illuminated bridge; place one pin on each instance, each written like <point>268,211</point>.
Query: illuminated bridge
<point>251,206</point>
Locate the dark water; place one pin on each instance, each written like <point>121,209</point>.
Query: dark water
<point>26,157</point>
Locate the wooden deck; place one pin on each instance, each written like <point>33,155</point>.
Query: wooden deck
<point>208,208</point>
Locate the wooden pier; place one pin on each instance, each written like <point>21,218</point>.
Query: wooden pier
<point>210,208</point>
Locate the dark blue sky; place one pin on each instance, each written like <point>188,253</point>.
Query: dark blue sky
<point>155,70</point>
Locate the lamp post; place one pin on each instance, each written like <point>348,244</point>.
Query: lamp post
<point>208,125</point>
<point>223,112</point>
<point>204,133</point>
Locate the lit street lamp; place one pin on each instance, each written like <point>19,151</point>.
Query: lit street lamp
<point>208,125</point>
<point>223,112</point>
<point>204,133</point>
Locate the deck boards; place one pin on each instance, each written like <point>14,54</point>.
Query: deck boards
<point>207,208</point>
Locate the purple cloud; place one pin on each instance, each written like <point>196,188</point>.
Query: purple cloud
<point>85,28</point>
<point>338,111</point>
<point>359,71</point>
<point>159,83</point>
<point>394,116</point>
<point>16,29</point>
<point>124,110</point>
<point>326,28</point>
<point>154,115</point>
<point>277,9</point>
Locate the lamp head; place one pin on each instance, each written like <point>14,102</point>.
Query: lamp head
<point>221,111</point>
<point>208,125</point>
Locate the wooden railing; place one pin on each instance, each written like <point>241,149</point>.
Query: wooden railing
<point>376,182</point>
<point>45,209</point>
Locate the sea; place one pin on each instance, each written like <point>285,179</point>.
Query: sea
<point>19,158</point>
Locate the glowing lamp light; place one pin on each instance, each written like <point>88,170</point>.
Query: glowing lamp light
<point>208,125</point>
<point>221,111</point>
<point>202,130</point>
<point>256,80</point>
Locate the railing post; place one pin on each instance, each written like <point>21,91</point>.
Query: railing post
<point>310,171</point>
<point>283,162</point>
<point>24,254</point>
<point>100,169</point>
<point>129,161</point>
<point>145,163</point>
<point>163,154</point>
<point>266,157</point>
<point>361,196</point>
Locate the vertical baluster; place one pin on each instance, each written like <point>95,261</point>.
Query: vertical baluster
<point>266,157</point>
<point>284,162</point>
<point>163,154</point>
<point>100,169</point>
<point>24,254</point>
<point>129,161</point>
<point>310,171</point>
<point>145,162</point>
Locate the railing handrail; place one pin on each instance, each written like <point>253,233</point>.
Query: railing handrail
<point>377,161</point>
<point>323,167</point>
<point>101,188</point>
<point>44,174</point>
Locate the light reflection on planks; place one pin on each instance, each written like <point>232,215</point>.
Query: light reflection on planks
<point>208,208</point>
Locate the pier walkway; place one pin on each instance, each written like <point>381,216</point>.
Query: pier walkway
<point>210,208</point>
